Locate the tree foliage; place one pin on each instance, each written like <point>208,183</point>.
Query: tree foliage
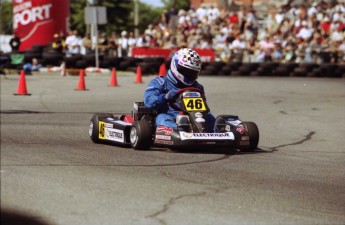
<point>6,15</point>
<point>120,14</point>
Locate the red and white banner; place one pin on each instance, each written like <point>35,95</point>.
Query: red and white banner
<point>206,55</point>
<point>36,21</point>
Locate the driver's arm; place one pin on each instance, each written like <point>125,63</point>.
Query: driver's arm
<point>154,97</point>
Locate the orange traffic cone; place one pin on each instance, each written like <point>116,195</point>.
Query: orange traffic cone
<point>113,80</point>
<point>81,83</point>
<point>162,70</point>
<point>22,85</point>
<point>139,75</point>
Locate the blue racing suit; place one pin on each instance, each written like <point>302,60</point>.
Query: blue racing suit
<point>154,98</point>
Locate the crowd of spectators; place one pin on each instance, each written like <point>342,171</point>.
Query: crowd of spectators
<point>290,33</point>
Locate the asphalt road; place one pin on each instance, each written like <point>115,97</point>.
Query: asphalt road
<point>51,172</point>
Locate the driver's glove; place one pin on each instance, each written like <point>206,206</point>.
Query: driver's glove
<point>167,97</point>
<point>170,95</point>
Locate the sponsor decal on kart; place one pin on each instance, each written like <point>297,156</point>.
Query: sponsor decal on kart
<point>198,114</point>
<point>109,125</point>
<point>164,142</point>
<point>164,130</point>
<point>191,94</point>
<point>200,120</point>
<point>114,135</point>
<point>205,136</point>
<point>163,137</point>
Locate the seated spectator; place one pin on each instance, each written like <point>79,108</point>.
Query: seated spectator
<point>305,32</point>
<point>267,46</point>
<point>33,66</point>
<point>237,48</point>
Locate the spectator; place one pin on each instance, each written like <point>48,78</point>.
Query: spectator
<point>87,44</point>
<point>33,66</point>
<point>58,44</point>
<point>113,45</point>
<point>267,46</point>
<point>73,43</point>
<point>305,32</point>
<point>123,44</point>
<point>103,43</point>
<point>15,43</point>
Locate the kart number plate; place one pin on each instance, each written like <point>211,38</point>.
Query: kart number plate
<point>194,104</point>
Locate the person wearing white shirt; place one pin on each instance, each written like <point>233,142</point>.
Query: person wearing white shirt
<point>305,32</point>
<point>73,43</point>
<point>123,44</point>
<point>201,12</point>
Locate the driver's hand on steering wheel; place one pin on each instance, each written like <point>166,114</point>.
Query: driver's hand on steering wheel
<point>170,95</point>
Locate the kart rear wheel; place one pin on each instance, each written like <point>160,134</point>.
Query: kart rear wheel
<point>141,135</point>
<point>252,131</point>
<point>94,125</point>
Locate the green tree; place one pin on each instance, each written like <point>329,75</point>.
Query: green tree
<point>6,17</point>
<point>179,4</point>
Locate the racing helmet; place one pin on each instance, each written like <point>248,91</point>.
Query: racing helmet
<point>185,66</point>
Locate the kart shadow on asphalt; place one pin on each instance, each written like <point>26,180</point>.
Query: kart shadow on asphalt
<point>221,151</point>
<point>9,217</point>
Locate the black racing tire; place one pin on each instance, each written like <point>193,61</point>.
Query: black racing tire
<point>253,133</point>
<point>94,127</point>
<point>141,135</point>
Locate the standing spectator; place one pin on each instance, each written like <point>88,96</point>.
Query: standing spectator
<point>123,44</point>
<point>15,43</point>
<point>58,44</point>
<point>172,12</point>
<point>131,43</point>
<point>113,44</point>
<point>87,44</point>
<point>73,43</point>
<point>103,43</point>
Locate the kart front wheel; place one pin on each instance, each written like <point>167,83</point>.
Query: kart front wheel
<point>252,131</point>
<point>141,135</point>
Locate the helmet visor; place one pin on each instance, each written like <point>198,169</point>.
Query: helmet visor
<point>189,74</point>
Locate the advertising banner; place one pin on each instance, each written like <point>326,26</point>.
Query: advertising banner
<point>206,55</point>
<point>36,21</point>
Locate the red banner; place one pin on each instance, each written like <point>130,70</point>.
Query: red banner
<point>36,21</point>
<point>206,55</point>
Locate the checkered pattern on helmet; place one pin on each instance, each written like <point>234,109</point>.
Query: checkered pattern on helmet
<point>191,57</point>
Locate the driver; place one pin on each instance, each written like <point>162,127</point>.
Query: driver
<point>184,70</point>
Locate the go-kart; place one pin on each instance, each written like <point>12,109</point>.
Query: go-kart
<point>138,128</point>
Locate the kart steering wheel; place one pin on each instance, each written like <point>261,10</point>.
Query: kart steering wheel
<point>172,102</point>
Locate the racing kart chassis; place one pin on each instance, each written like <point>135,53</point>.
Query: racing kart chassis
<point>138,128</point>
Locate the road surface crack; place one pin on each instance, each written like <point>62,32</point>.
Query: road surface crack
<point>170,203</point>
